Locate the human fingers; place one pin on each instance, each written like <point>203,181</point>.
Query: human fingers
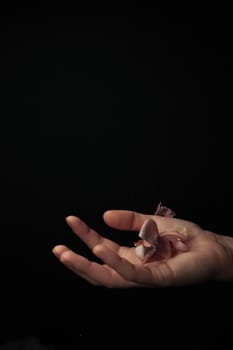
<point>65,256</point>
<point>139,274</point>
<point>92,272</point>
<point>90,237</point>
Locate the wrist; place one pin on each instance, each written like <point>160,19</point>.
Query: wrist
<point>226,271</point>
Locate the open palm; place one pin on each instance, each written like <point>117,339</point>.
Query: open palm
<point>121,268</point>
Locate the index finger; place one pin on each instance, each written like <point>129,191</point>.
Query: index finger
<point>89,236</point>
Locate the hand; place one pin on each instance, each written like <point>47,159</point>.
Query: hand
<point>210,256</point>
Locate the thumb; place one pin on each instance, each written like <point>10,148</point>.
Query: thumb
<point>125,219</point>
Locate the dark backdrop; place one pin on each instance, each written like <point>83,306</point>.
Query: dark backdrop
<point>111,109</point>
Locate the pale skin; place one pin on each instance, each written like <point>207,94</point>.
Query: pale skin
<point>209,257</point>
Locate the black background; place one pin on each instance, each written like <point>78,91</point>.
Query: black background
<point>111,108</point>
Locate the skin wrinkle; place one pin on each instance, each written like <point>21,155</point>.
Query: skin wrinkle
<point>159,275</point>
